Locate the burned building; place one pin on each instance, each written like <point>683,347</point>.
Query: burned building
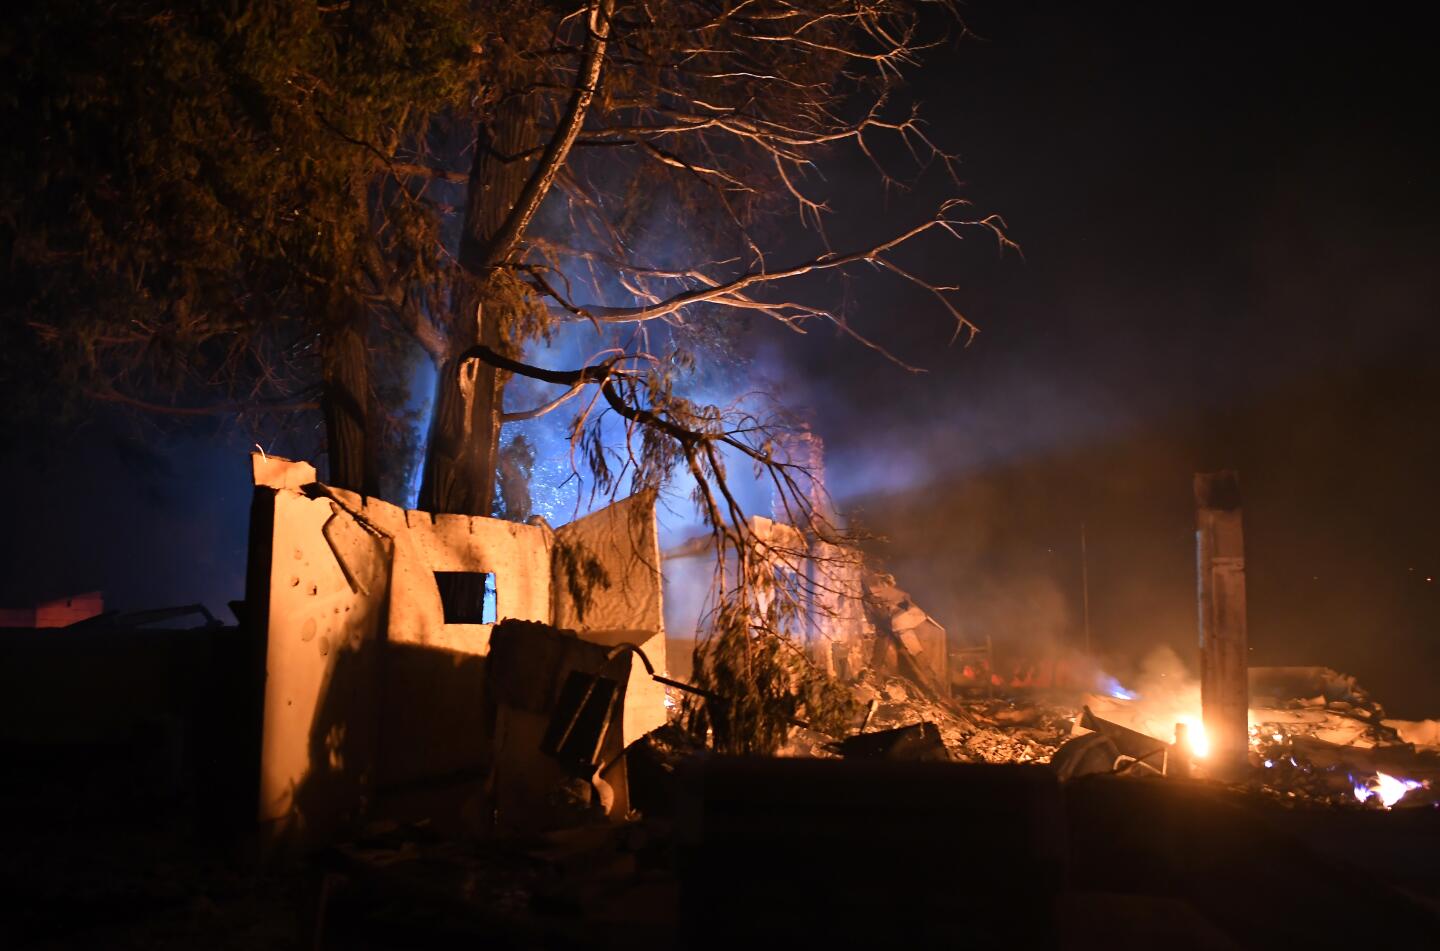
<point>376,625</point>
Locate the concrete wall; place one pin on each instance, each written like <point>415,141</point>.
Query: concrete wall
<point>626,605</point>
<point>436,725</point>
<point>840,627</point>
<point>689,580</point>
<point>840,634</point>
<point>328,586</point>
<point>518,555</point>
<point>370,697</point>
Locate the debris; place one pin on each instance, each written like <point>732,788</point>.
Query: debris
<point>652,761</point>
<point>919,742</point>
<point>805,743</point>
<point>869,713</point>
<point>905,632</point>
<point>1085,755</point>
<point>1018,716</point>
<point>971,731</point>
<point>580,719</point>
<point>563,706</point>
<point>1128,742</point>
<point>1422,733</point>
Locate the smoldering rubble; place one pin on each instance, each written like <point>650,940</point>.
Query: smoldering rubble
<point>435,769</point>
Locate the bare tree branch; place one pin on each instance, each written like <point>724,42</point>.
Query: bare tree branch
<point>558,148</point>
<point>731,292</point>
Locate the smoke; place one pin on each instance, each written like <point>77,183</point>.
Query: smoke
<point>1162,693</point>
<point>1165,684</point>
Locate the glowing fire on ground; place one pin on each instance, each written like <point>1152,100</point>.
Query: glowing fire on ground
<point>1195,737</point>
<point>1164,702</point>
<point>1388,788</point>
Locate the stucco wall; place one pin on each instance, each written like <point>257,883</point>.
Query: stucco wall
<point>367,687</point>
<point>328,584</point>
<point>369,694</point>
<point>518,555</point>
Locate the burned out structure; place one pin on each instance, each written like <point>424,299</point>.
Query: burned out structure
<point>382,694</point>
<point>406,691</point>
<point>854,617</point>
<point>413,664</point>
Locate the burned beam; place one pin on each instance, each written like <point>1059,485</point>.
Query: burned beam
<point>1224,646</point>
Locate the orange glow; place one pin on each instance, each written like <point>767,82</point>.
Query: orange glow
<point>1390,789</point>
<point>1195,736</point>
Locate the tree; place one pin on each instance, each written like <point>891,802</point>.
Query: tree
<point>721,109</point>
<point>294,187</point>
<point>609,108</point>
<point>198,212</point>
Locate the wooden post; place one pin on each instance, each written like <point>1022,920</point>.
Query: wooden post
<point>1224,647</point>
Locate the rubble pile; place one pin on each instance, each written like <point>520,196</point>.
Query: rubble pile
<point>1290,774</point>
<point>900,702</point>
<point>1334,747</point>
<point>1333,744</point>
<point>1300,760</point>
<point>1343,715</point>
<point>977,731</point>
<point>1011,732</point>
<point>908,640</point>
<point>1423,734</point>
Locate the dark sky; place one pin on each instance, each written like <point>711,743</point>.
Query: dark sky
<point>1230,255</point>
<point>1228,223</point>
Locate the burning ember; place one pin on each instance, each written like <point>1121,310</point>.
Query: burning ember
<point>1331,743</point>
<point>1386,788</point>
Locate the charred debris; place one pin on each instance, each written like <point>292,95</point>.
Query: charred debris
<point>433,730</point>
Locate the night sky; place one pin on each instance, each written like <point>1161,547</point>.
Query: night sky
<point>1230,261</point>
<point>1228,227</point>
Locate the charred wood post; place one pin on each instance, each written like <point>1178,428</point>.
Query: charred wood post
<point>1220,563</point>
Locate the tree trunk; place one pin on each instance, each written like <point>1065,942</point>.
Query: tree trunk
<point>463,452</point>
<point>346,403</point>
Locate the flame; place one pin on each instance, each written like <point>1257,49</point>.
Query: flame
<point>1198,742</point>
<point>1387,787</point>
<point>1112,687</point>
